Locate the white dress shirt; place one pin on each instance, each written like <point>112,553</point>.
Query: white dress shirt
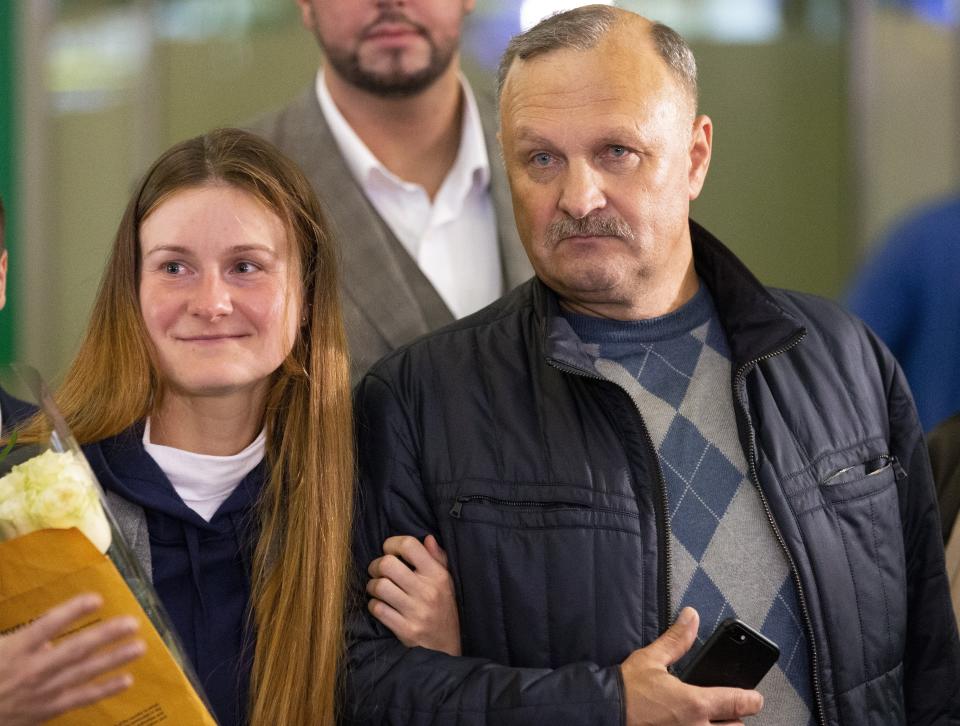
<point>453,239</point>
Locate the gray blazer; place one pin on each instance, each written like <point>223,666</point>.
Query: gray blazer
<point>132,522</point>
<point>387,300</point>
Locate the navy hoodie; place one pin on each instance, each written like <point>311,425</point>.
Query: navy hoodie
<point>201,570</point>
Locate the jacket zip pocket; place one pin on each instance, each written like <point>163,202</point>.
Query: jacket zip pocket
<point>457,508</point>
<point>871,467</point>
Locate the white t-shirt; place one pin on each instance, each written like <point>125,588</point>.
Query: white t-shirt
<point>453,239</point>
<point>203,481</point>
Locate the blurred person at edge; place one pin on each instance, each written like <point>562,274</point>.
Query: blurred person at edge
<point>12,409</point>
<point>907,292</point>
<point>211,395</point>
<point>944,445</point>
<point>401,150</point>
<point>641,433</point>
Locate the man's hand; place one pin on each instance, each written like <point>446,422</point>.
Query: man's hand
<point>40,680</point>
<point>411,592</point>
<point>654,696</point>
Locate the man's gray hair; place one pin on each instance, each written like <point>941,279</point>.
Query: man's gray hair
<point>582,29</point>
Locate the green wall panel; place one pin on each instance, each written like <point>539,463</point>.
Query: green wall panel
<point>8,167</point>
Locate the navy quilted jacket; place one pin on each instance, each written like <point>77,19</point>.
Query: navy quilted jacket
<point>541,482</point>
<point>13,410</point>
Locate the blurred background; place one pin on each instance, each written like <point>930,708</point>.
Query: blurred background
<point>832,119</point>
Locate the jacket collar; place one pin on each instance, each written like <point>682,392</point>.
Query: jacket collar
<point>755,324</point>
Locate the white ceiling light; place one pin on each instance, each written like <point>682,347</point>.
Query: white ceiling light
<point>533,11</point>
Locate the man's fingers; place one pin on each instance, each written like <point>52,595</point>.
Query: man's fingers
<point>53,622</point>
<point>96,665</point>
<point>676,641</point>
<point>436,551</point>
<point>732,704</point>
<point>79,646</point>
<point>87,694</point>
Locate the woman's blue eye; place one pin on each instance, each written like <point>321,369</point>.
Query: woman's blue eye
<point>172,268</point>
<point>245,267</point>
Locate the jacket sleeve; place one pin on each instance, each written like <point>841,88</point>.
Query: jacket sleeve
<point>932,658</point>
<point>388,683</point>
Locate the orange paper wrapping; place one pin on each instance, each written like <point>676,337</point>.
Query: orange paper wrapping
<point>44,568</point>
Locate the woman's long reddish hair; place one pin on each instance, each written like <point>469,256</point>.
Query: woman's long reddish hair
<point>302,554</point>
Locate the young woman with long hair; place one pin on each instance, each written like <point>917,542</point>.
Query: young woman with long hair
<point>211,393</point>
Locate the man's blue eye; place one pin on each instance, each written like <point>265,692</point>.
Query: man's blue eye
<point>618,151</point>
<point>542,159</point>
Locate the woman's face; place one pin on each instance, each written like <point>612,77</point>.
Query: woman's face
<point>217,290</point>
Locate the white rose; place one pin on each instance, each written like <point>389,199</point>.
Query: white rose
<point>58,492</point>
<point>13,512</point>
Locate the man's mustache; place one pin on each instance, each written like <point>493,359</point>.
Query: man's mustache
<point>589,226</point>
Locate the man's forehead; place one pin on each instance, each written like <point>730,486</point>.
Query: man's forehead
<point>567,83</point>
<point>613,67</point>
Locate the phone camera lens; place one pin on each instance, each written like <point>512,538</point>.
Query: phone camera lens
<point>742,637</point>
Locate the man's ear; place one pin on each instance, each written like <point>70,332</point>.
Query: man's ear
<point>306,14</point>
<point>701,147</point>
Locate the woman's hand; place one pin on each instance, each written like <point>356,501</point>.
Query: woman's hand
<point>40,680</point>
<point>411,592</point>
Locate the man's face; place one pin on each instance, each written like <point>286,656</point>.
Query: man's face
<point>604,155</point>
<point>387,47</point>
<point>3,279</point>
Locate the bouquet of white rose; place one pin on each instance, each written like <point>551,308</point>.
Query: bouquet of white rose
<point>58,538</point>
<point>53,490</point>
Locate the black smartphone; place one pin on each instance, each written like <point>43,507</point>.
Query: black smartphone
<point>734,655</point>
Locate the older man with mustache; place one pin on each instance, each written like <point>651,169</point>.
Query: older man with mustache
<point>641,434</point>
<point>402,153</point>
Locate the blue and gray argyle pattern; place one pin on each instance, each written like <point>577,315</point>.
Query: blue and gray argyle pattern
<point>726,559</point>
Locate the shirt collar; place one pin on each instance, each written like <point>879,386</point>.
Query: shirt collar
<point>470,169</point>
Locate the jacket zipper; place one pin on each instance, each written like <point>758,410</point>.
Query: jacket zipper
<point>663,523</point>
<point>752,460</point>
<point>456,510</point>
